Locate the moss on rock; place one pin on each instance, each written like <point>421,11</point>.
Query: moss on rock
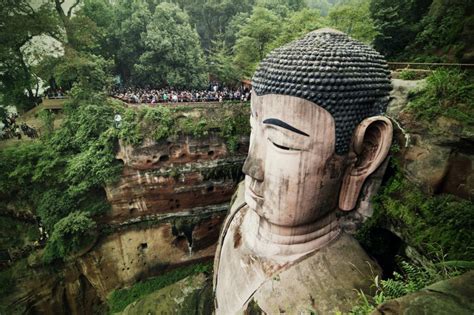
<point>433,224</point>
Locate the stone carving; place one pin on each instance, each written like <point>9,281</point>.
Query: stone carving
<point>281,248</point>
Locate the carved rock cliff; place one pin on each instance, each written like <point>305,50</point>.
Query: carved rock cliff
<point>166,211</point>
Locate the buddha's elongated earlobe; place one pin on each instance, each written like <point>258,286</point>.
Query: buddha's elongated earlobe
<point>370,144</point>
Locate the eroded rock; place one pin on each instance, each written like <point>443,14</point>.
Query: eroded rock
<point>453,296</point>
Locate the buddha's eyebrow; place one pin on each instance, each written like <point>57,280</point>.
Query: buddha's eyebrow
<point>279,123</point>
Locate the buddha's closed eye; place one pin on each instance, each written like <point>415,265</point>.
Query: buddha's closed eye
<point>283,147</point>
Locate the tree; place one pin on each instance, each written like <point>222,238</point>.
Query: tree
<point>130,22</point>
<point>235,25</point>
<point>354,19</point>
<point>298,24</point>
<point>281,8</point>
<point>397,23</point>
<point>71,234</point>
<point>448,25</point>
<point>254,38</point>
<point>103,15</point>
<point>212,17</point>
<point>221,65</point>
<point>20,24</point>
<point>173,56</point>
<point>321,5</point>
<point>65,17</point>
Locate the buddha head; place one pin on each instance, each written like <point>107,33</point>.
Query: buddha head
<point>317,130</point>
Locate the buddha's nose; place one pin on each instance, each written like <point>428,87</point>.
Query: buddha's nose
<point>253,165</point>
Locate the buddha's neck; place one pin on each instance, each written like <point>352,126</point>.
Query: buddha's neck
<point>268,239</point>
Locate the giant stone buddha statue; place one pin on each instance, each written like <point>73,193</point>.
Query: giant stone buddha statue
<point>317,134</point>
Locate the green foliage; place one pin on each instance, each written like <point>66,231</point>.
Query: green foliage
<point>320,5</point>
<point>119,299</point>
<point>70,234</point>
<point>233,127</point>
<point>64,173</point>
<point>448,93</point>
<point>354,19</point>
<point>212,18</point>
<point>172,56</point>
<point>297,25</point>
<point>429,223</point>
<point>397,23</point>
<point>254,38</point>
<point>88,71</point>
<point>411,279</point>
<point>20,23</point>
<point>17,174</point>
<point>47,118</point>
<point>195,128</point>
<point>423,30</point>
<point>408,75</point>
<point>443,25</point>
<point>225,171</point>
<point>129,130</point>
<point>220,64</point>
<point>230,121</point>
<point>160,120</point>
<point>16,233</point>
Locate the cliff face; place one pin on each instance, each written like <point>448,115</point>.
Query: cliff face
<point>173,177</point>
<point>166,211</point>
<point>437,156</point>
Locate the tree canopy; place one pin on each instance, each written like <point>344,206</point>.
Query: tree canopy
<point>182,43</point>
<point>172,54</point>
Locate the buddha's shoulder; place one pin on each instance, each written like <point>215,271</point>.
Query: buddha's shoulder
<point>326,280</point>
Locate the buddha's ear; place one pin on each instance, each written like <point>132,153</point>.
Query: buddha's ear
<point>370,145</point>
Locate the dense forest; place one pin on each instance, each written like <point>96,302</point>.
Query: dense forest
<point>94,43</point>
<point>87,47</point>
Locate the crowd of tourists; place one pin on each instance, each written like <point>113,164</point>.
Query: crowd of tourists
<point>10,128</point>
<point>54,93</point>
<point>153,96</point>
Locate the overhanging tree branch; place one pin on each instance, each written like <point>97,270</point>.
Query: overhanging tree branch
<point>69,12</point>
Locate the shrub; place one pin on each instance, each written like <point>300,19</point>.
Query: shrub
<point>70,234</point>
<point>160,120</point>
<point>119,299</point>
<point>411,278</point>
<point>448,93</point>
<point>65,172</point>
<point>428,223</point>
<point>230,121</point>
<point>408,75</point>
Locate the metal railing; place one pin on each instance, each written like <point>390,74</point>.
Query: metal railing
<point>429,66</point>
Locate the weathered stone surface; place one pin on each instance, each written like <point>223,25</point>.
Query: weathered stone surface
<point>191,295</point>
<point>135,254</point>
<point>167,209</point>
<point>325,282</point>
<point>332,274</point>
<point>426,164</point>
<point>399,94</point>
<point>170,177</point>
<point>453,296</point>
<point>437,156</point>
<point>50,292</point>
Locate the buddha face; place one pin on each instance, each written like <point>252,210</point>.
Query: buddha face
<point>293,175</point>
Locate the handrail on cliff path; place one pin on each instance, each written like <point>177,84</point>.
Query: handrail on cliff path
<point>428,66</point>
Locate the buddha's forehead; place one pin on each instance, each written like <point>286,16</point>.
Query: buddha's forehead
<point>294,111</point>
